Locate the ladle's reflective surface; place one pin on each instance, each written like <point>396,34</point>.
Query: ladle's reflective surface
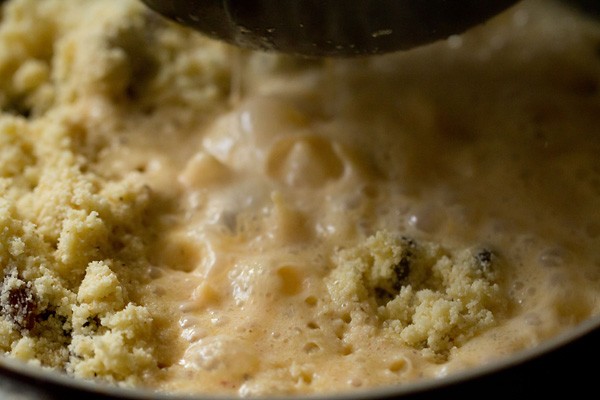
<point>330,27</point>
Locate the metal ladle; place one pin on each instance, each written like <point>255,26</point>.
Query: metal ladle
<point>337,28</point>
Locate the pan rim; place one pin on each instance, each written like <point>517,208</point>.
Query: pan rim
<point>32,374</point>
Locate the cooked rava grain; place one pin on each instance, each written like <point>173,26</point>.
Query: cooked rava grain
<point>180,215</point>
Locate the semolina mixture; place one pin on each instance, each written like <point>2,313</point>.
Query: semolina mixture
<point>183,216</point>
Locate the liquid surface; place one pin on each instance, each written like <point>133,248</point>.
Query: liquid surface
<point>182,216</point>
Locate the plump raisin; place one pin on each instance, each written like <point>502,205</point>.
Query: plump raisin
<point>402,268</point>
<point>18,301</point>
<point>484,260</point>
<point>484,257</point>
<point>397,275</point>
<point>22,307</point>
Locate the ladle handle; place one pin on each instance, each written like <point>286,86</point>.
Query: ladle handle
<point>337,28</point>
<point>330,27</point>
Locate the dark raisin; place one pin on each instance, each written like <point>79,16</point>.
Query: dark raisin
<point>401,271</point>
<point>21,306</point>
<point>402,268</point>
<point>484,259</point>
<point>18,301</point>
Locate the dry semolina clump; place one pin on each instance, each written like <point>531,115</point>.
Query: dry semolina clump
<point>431,298</point>
<point>63,234</point>
<point>75,228</point>
<point>71,242</point>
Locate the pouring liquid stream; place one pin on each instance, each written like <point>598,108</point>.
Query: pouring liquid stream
<point>238,59</point>
<point>332,72</point>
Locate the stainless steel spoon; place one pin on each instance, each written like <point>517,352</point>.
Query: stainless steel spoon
<point>337,28</point>
<point>330,27</point>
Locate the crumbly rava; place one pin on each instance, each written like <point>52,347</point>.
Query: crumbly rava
<point>183,216</point>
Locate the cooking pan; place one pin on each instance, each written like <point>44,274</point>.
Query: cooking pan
<point>564,363</point>
<point>557,365</point>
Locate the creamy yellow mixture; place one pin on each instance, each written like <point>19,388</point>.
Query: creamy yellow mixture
<point>179,215</point>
